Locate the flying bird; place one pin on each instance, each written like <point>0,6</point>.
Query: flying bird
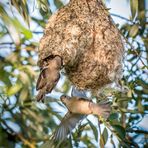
<point>84,38</point>
<point>78,108</point>
<point>49,76</point>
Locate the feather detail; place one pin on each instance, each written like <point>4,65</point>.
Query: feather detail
<point>67,124</point>
<point>48,77</point>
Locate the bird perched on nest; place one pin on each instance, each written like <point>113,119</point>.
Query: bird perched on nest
<point>84,36</point>
<point>49,76</point>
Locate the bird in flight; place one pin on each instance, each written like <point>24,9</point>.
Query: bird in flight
<point>78,109</point>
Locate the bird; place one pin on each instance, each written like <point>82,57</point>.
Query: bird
<point>84,36</point>
<point>49,76</point>
<point>78,108</point>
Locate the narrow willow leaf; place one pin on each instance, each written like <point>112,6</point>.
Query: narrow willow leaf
<point>43,5</point>
<point>8,21</point>
<point>129,94</point>
<point>101,142</point>
<point>40,22</point>
<point>120,131</point>
<point>24,78</point>
<point>134,30</point>
<point>113,116</point>
<point>142,18</point>
<point>112,142</point>
<point>134,7</point>
<point>58,3</point>
<point>94,128</point>
<point>14,89</point>
<point>23,94</point>
<point>27,33</point>
<point>140,106</point>
<point>105,135</point>
<point>22,8</point>
<point>4,77</point>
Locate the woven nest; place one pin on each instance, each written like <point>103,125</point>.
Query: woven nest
<point>85,37</point>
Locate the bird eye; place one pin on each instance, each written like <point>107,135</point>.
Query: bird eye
<point>63,97</point>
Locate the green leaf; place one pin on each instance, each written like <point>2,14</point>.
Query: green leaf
<point>105,135</point>
<point>4,77</point>
<point>44,9</point>
<point>40,22</point>
<point>113,116</point>
<point>8,21</point>
<point>140,106</point>
<point>111,141</point>
<point>14,27</point>
<point>94,128</point>
<point>12,58</point>
<point>29,70</point>
<point>120,131</point>
<point>23,12</point>
<point>134,7</point>
<point>24,78</point>
<point>23,94</point>
<point>134,30</point>
<point>58,3</point>
<point>14,89</point>
<point>27,33</point>
<point>129,93</point>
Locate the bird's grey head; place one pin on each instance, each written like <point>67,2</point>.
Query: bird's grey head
<point>64,99</point>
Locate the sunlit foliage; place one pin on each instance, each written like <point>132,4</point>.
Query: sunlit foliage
<point>26,123</point>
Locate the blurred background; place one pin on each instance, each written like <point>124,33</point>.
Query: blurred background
<point>26,123</point>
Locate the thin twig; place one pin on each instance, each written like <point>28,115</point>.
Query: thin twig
<point>121,17</point>
<point>137,131</point>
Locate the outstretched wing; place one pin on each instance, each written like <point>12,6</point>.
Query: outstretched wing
<point>67,124</point>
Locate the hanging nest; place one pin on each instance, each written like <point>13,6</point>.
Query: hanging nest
<point>83,34</point>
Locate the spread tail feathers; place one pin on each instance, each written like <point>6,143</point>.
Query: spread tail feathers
<point>104,109</point>
<point>101,109</point>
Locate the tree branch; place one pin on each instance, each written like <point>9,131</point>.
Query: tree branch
<point>121,17</point>
<point>137,131</point>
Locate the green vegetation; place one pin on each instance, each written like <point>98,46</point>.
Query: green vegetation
<point>26,123</point>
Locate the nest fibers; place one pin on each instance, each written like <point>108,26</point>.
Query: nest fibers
<point>83,34</point>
